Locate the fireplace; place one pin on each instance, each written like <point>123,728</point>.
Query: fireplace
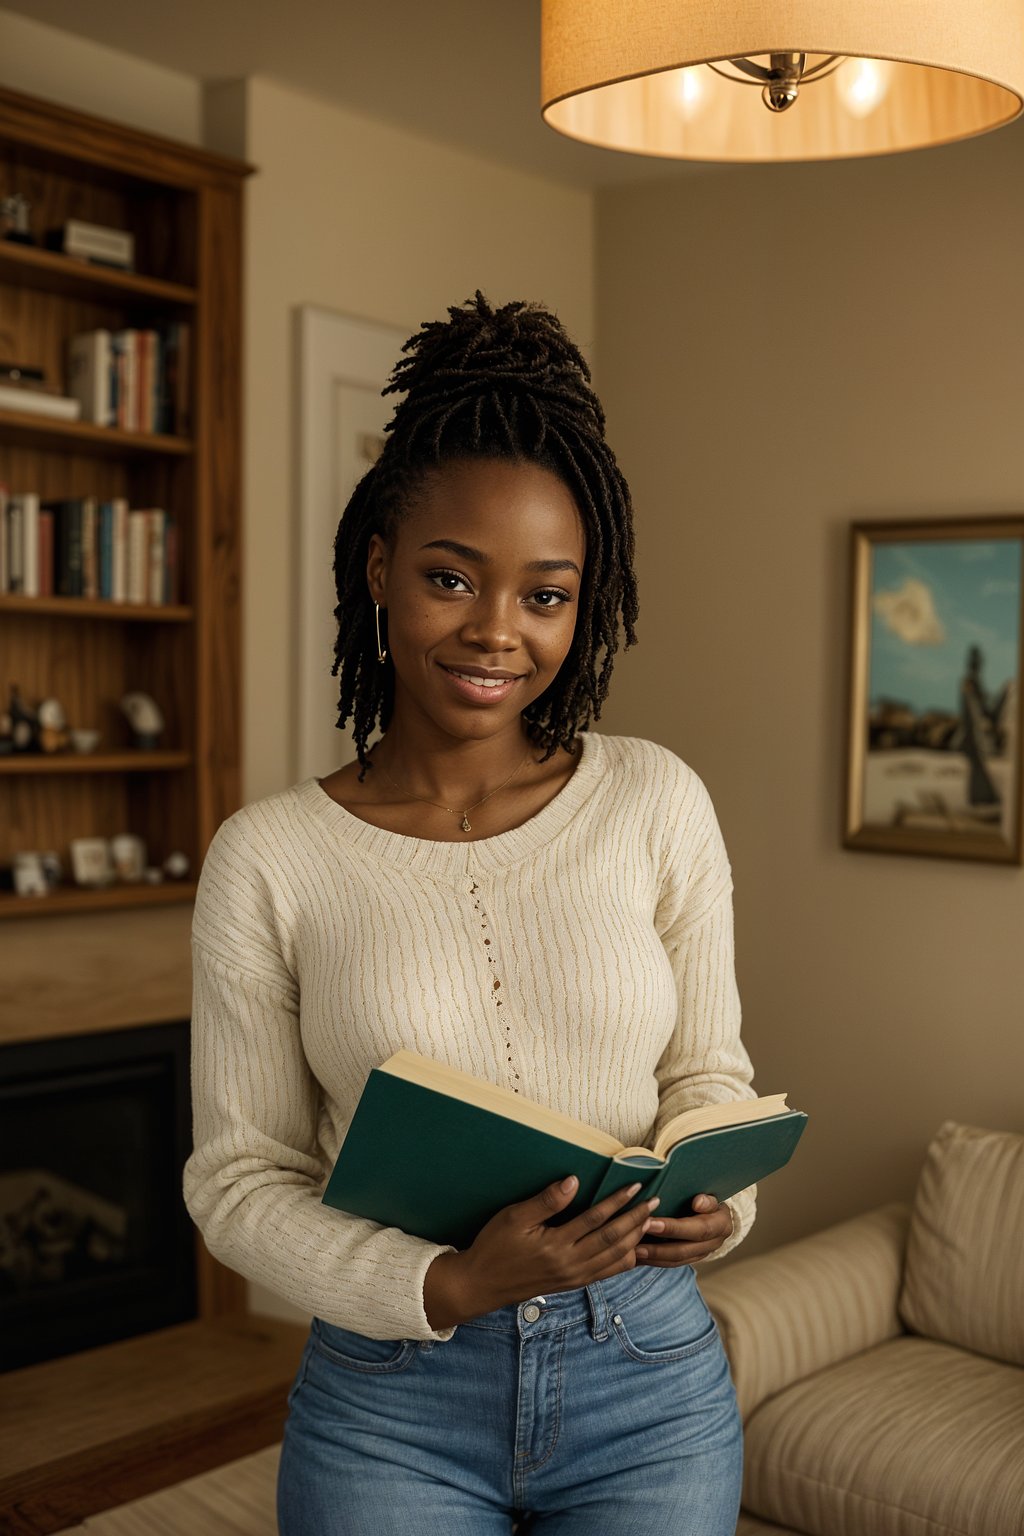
<point>95,1241</point>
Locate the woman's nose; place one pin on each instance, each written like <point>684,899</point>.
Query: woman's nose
<point>492,625</point>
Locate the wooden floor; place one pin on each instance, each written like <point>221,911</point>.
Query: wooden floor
<point>234,1500</point>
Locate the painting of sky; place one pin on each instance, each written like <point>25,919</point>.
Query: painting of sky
<point>933,600</point>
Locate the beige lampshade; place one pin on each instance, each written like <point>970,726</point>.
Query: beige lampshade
<point>635,75</point>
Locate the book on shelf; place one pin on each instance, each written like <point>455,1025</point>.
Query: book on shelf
<point>36,402</point>
<point>136,380</point>
<point>83,547</point>
<point>437,1152</point>
<point>99,243</point>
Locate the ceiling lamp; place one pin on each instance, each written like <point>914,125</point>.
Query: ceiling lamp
<point>796,80</point>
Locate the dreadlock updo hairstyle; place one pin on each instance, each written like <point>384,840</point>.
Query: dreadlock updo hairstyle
<point>503,383</point>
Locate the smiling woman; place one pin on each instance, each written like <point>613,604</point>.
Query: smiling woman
<point>493,885</point>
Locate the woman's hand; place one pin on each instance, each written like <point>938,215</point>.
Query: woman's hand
<point>517,1255</point>
<point>685,1239</point>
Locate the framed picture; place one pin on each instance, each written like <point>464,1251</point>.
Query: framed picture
<point>934,745</point>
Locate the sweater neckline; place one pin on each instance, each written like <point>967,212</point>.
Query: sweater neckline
<point>436,857</point>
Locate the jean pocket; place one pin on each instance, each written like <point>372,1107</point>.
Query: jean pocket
<point>356,1352</point>
<point>667,1321</point>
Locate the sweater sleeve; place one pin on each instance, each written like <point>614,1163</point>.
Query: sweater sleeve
<point>705,1061</point>
<point>254,1180</point>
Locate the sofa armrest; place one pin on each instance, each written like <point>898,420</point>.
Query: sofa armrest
<point>808,1304</point>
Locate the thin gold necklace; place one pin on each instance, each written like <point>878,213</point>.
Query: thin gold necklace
<point>465,822</point>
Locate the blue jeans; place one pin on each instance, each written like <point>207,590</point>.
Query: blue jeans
<point>603,1411</point>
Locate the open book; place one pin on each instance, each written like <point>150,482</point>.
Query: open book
<point>437,1152</point>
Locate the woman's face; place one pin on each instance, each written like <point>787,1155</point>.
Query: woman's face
<point>482,578</point>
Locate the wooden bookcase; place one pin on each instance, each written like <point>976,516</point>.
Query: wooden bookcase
<point>183,207</point>
<point>151,1409</point>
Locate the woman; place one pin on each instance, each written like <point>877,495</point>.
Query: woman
<point>491,885</point>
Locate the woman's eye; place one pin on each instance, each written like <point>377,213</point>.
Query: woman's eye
<point>448,581</point>
<point>551,597</point>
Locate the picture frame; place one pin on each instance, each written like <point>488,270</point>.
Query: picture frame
<point>934,723</point>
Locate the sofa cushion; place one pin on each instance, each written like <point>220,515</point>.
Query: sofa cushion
<point>963,1280</point>
<point>912,1438</point>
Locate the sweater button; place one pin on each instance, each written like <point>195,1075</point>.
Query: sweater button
<point>531,1313</point>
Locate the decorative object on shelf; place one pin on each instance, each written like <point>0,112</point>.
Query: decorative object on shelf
<point>84,739</point>
<point>129,855</point>
<point>22,376</point>
<point>29,875</point>
<point>14,224</point>
<point>176,866</point>
<point>811,80</point>
<point>935,726</point>
<point>145,719</point>
<point>53,869</point>
<point>98,243</point>
<point>153,875</point>
<point>53,726</point>
<point>91,863</point>
<point>24,723</point>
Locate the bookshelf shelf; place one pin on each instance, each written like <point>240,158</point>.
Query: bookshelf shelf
<point>31,267</point>
<point>97,608</point>
<point>24,429</point>
<point>71,899</point>
<point>93,762</point>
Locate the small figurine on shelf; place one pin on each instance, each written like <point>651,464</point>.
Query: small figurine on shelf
<point>91,863</point>
<point>176,866</point>
<point>129,854</point>
<point>14,223</point>
<point>24,724</point>
<point>53,726</point>
<point>145,719</point>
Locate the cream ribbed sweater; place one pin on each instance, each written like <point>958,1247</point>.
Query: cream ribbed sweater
<point>584,958</point>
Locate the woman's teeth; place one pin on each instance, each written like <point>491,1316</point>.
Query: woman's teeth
<point>481,682</point>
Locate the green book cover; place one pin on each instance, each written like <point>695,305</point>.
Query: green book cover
<point>440,1168</point>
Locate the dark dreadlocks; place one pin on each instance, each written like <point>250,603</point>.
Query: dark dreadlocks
<point>502,383</point>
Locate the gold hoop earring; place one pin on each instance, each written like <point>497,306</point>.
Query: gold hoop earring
<point>381,654</point>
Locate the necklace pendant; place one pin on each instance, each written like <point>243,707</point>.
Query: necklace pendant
<point>464,823</point>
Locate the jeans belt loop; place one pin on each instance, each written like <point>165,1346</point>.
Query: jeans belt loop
<point>598,1311</point>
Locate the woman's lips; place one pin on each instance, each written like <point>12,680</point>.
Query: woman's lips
<point>480,692</point>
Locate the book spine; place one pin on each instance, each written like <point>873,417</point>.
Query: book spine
<point>74,548</point>
<point>171,587</point>
<point>45,552</point>
<point>16,535</point>
<point>5,568</point>
<point>105,513</point>
<point>30,538</point>
<point>137,540</point>
<point>90,550</point>
<point>156,557</point>
<point>119,583</point>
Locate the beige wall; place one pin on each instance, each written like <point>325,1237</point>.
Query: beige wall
<point>43,61</point>
<point>353,215</point>
<point>784,350</point>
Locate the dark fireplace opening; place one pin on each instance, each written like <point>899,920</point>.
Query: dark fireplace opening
<point>95,1241</point>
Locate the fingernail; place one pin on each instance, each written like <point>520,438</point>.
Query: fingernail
<point>656,1226</point>
<point>652,1205</point>
<point>569,1183</point>
<point>641,1253</point>
<point>633,1189</point>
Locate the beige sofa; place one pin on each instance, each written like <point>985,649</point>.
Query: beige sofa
<point>879,1363</point>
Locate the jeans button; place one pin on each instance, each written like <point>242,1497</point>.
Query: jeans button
<point>531,1313</point>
